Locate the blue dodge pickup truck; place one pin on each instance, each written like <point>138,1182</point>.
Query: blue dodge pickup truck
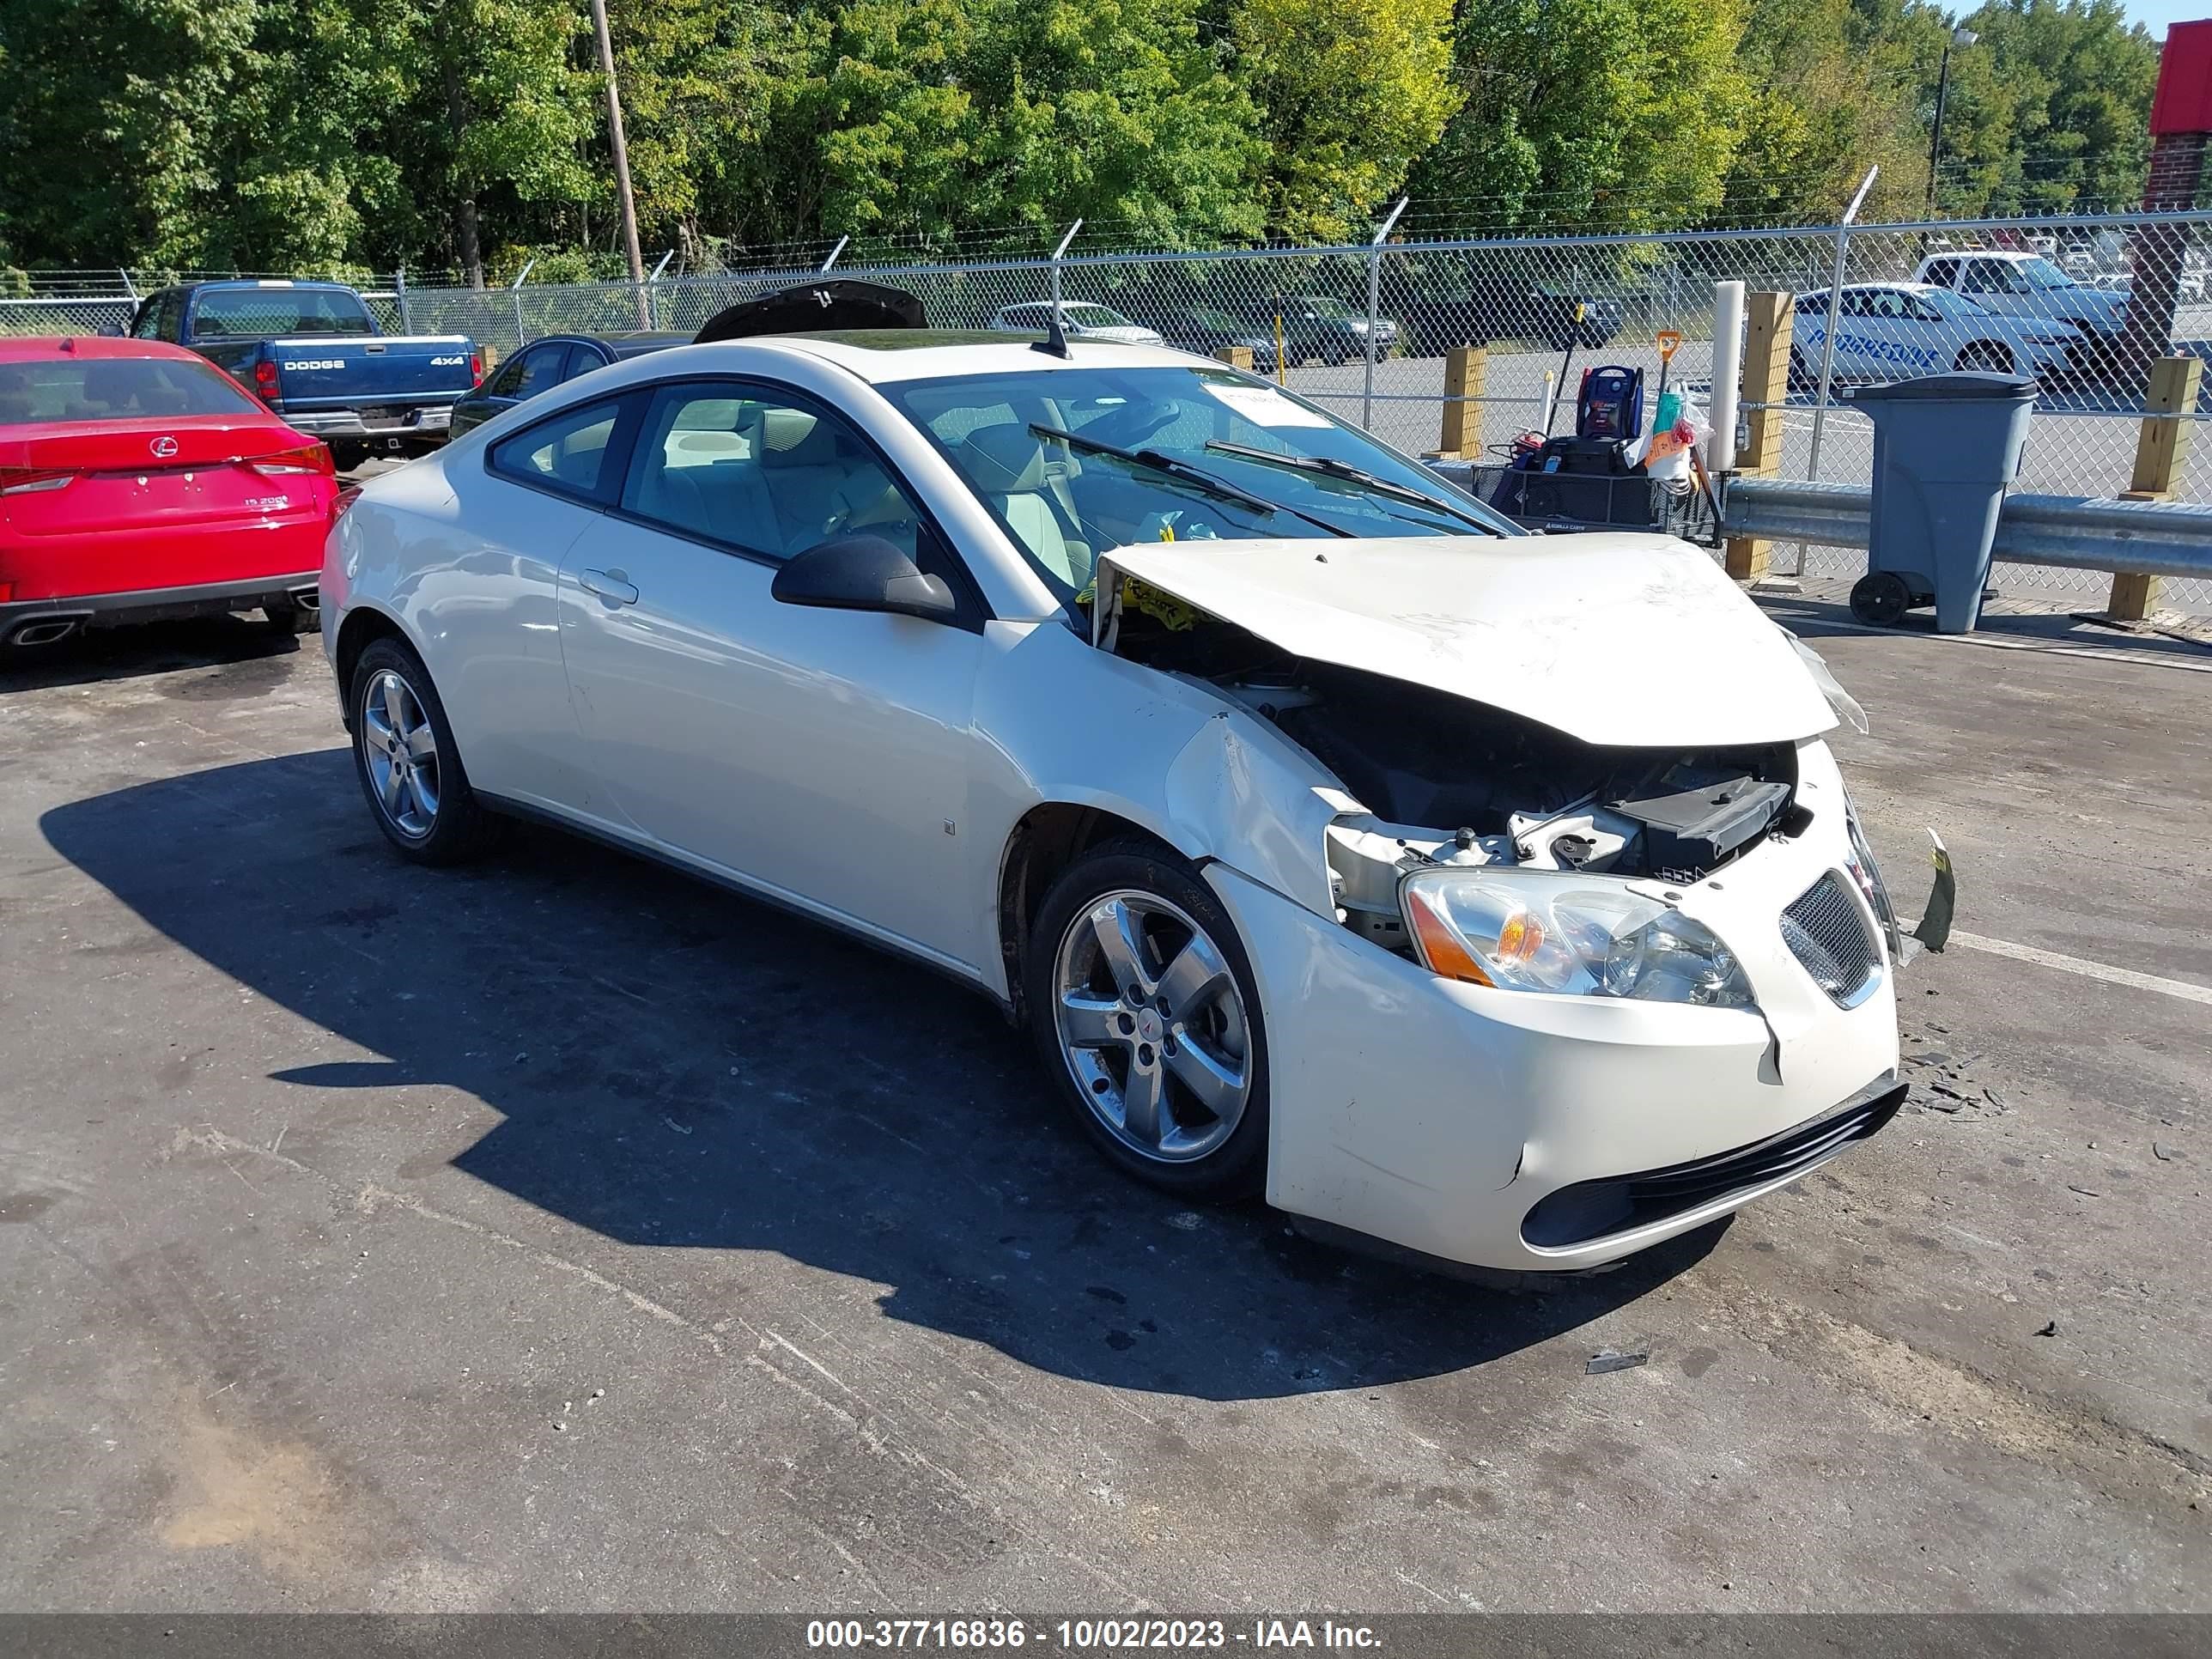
<point>313,352</point>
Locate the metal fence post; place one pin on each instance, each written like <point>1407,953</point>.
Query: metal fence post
<point>399,299</point>
<point>514,293</point>
<point>652,290</point>
<point>1058,254</point>
<point>1835,300</point>
<point>1374,310</point>
<point>2161,445</point>
<point>836,251</point>
<point>1767,320</point>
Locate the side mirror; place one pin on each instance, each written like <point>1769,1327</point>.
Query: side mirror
<point>863,573</point>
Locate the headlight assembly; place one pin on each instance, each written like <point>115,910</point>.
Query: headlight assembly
<point>1877,891</point>
<point>1521,930</point>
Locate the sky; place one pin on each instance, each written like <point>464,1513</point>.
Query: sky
<point>2155,14</point>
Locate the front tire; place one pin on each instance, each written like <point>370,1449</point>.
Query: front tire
<point>1987,357</point>
<point>1148,1020</point>
<point>408,766</point>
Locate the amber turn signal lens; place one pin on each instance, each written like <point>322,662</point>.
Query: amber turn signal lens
<point>1440,947</point>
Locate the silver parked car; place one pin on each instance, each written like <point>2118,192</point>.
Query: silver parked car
<point>1081,319</point>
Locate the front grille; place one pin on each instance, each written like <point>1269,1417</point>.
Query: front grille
<point>1597,1209</point>
<point>1828,932</point>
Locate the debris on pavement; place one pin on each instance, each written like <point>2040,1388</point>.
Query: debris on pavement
<point>2050,1329</point>
<point>1611,1359</point>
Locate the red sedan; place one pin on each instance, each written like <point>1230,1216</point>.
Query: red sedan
<point>139,481</point>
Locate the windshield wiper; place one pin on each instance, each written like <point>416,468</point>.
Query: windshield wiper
<point>1197,477</point>
<point>1329,466</point>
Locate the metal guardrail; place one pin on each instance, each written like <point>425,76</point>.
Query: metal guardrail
<point>2074,532</point>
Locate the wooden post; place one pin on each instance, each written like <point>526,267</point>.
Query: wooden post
<point>2160,449</point>
<point>1465,370</point>
<point>1767,319</point>
<point>1236,357</point>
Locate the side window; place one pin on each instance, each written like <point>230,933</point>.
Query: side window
<point>1983,276</point>
<point>581,360</point>
<point>1854,304</point>
<point>568,453</point>
<point>760,471</point>
<point>541,370</point>
<point>146,325</point>
<point>1944,273</point>
<point>502,384</point>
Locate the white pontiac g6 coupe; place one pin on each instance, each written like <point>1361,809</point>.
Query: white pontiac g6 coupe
<point>1489,895</point>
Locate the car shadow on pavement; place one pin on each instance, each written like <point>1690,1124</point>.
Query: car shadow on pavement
<point>161,648</point>
<point>678,1067</point>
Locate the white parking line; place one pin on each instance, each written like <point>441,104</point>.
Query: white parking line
<point>2128,976</point>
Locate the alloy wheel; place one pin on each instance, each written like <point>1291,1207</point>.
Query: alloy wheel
<point>401,749</point>
<point>1152,1026</point>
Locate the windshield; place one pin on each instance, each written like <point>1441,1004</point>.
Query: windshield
<point>265,314</point>
<point>2041,273</point>
<point>1063,504</point>
<point>115,389</point>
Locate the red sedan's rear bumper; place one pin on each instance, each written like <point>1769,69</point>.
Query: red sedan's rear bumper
<point>41,622</point>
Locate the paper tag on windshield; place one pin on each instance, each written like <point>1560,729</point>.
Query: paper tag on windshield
<point>1263,406</point>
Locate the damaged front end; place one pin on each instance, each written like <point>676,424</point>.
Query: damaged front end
<point>1463,814</point>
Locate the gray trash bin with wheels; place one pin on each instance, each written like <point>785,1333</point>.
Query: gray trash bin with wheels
<point>1945,447</point>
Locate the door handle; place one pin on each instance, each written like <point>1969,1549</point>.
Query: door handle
<point>610,584</point>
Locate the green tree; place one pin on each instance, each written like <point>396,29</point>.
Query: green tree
<point>1619,114</point>
<point>2050,106</point>
<point>1348,96</point>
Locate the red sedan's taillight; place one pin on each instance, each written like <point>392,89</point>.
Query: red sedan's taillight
<point>308,458</point>
<point>33,480</point>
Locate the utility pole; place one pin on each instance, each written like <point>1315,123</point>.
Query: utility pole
<point>629,202</point>
<point>1960,36</point>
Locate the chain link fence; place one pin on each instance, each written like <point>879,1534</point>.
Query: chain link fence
<point>1365,330</point>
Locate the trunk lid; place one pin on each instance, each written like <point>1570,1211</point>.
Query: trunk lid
<point>1633,640</point>
<point>148,473</point>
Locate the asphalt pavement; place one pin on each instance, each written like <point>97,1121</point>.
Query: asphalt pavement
<point>560,1233</point>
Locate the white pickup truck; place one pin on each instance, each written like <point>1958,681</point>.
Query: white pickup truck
<point>2024,284</point>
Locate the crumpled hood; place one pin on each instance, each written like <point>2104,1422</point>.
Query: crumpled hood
<point>1637,640</point>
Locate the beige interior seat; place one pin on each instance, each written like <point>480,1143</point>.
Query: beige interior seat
<point>1007,465</point>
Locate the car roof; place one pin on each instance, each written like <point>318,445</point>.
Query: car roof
<point>928,353</point>
<point>60,348</point>
<point>622,345</point>
<point>269,282</point>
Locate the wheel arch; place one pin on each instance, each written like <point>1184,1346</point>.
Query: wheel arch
<point>363,626</point>
<point>1043,843</point>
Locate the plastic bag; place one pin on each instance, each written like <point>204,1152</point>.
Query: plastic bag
<point>1678,425</point>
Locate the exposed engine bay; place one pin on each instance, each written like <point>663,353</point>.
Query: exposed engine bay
<point>1450,782</point>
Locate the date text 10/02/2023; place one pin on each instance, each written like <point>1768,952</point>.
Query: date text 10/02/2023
<point>1074,1635</point>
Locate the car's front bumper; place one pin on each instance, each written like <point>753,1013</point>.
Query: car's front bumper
<point>1440,1115</point>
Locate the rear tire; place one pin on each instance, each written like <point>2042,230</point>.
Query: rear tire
<point>1984,356</point>
<point>346,457</point>
<point>1148,1020</point>
<point>408,766</point>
